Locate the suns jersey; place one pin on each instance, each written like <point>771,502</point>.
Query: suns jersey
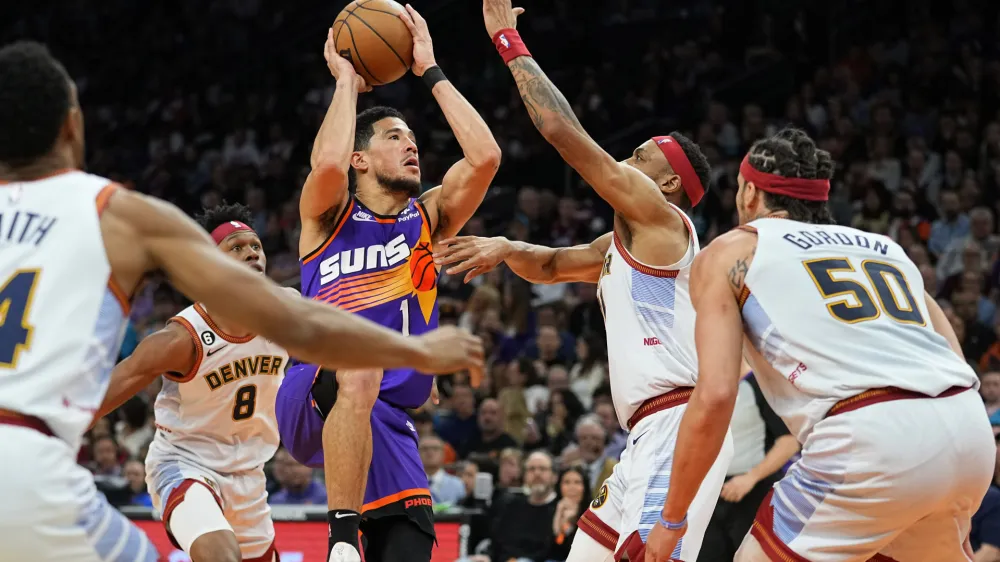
<point>834,312</point>
<point>61,318</point>
<point>381,268</point>
<point>650,325</point>
<point>220,414</point>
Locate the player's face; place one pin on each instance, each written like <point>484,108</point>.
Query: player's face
<point>246,247</point>
<point>649,159</point>
<point>393,157</point>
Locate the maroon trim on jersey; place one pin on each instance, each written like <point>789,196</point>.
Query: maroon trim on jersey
<point>744,295</point>
<point>887,394</point>
<point>763,531</point>
<point>593,527</point>
<point>10,417</point>
<point>649,270</point>
<point>198,351</point>
<point>672,399</point>
<point>215,327</point>
<point>176,497</point>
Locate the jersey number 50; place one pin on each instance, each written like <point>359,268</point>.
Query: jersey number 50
<point>15,304</point>
<point>898,303</point>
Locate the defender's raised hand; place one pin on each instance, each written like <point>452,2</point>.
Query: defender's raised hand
<point>500,14</point>
<point>423,47</point>
<point>449,349</point>
<point>339,66</point>
<point>472,253</point>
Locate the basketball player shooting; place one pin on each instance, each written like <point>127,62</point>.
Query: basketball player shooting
<point>642,268</point>
<point>860,363</point>
<point>214,416</point>
<point>76,246</point>
<point>370,253</point>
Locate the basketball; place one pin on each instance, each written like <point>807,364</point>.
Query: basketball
<point>370,34</point>
<point>422,270</point>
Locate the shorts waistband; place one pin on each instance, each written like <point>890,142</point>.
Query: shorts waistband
<point>674,398</point>
<point>9,417</point>
<point>887,394</point>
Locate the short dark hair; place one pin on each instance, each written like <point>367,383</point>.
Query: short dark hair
<point>790,153</point>
<point>698,161</point>
<point>35,98</point>
<point>364,130</point>
<point>209,219</point>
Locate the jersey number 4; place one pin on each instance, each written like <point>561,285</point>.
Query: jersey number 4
<point>15,304</point>
<point>891,291</point>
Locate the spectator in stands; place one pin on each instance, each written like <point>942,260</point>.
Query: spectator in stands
<point>459,426</point>
<point>510,473</point>
<point>617,437</point>
<point>985,534</point>
<point>298,485</point>
<point>556,421</point>
<point>445,488</point>
<point>106,461</point>
<point>597,465</point>
<point>990,390</point>
<point>485,447</point>
<point>590,370</point>
<point>513,398</point>
<point>467,471</point>
<point>136,428</point>
<point>574,497</point>
<point>522,522</point>
<point>424,423</point>
<point>135,473</point>
<point>953,224</point>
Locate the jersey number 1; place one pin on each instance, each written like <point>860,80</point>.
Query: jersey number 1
<point>15,304</point>
<point>404,307</point>
<point>879,273</point>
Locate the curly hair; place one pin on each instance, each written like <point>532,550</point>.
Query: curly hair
<point>35,98</point>
<point>792,154</point>
<point>698,161</point>
<point>209,219</point>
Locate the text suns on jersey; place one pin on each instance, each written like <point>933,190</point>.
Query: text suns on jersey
<point>363,259</point>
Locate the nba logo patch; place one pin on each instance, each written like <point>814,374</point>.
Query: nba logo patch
<point>504,41</point>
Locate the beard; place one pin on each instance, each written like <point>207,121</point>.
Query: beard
<point>405,186</point>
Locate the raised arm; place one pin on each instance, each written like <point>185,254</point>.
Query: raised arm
<point>537,264</point>
<point>144,234</point>
<point>630,192</point>
<point>326,187</point>
<point>170,350</point>
<point>451,204</point>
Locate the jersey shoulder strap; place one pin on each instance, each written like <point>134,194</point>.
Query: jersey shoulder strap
<point>205,338</point>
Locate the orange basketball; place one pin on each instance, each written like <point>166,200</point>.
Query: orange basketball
<point>422,270</point>
<point>370,34</point>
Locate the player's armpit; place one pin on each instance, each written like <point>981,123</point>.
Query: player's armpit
<point>941,325</point>
<point>170,350</point>
<point>325,189</point>
<point>315,332</point>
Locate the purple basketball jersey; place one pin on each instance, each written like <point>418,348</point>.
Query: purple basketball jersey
<point>365,267</point>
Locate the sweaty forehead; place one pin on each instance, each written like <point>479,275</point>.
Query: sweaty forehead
<point>389,123</point>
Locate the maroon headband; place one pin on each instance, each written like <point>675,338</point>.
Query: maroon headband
<point>225,229</point>
<point>682,166</point>
<point>796,188</point>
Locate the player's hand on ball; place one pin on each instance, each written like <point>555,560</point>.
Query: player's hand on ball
<point>472,253</point>
<point>450,349</point>
<point>423,47</point>
<point>339,66</point>
<point>661,542</point>
<point>738,487</point>
<point>500,14</point>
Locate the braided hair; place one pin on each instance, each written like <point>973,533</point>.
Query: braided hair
<point>792,154</point>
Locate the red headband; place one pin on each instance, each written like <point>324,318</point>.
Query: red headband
<point>796,188</point>
<point>682,166</point>
<point>225,229</point>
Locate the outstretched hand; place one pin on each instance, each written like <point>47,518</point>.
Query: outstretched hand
<point>339,66</point>
<point>472,253</point>
<point>423,47</point>
<point>500,14</point>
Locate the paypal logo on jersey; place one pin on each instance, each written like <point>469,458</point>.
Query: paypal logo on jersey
<point>364,259</point>
<point>408,216</point>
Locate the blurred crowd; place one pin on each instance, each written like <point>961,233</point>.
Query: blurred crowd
<point>198,102</point>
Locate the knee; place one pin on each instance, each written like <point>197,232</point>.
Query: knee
<point>358,389</point>
<point>217,546</point>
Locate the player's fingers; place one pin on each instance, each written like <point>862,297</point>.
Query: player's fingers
<point>475,273</point>
<point>464,264</point>
<point>414,14</point>
<point>518,11</point>
<point>408,21</point>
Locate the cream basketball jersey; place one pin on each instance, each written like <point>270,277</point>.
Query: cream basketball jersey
<point>220,414</point>
<point>61,319</point>
<point>650,325</point>
<point>834,312</point>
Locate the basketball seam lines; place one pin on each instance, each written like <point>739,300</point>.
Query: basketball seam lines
<point>360,59</point>
<point>362,6</point>
<point>379,35</point>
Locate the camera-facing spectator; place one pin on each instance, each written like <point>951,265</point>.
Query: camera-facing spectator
<point>460,425</point>
<point>485,447</point>
<point>522,522</point>
<point>445,488</point>
<point>298,485</point>
<point>135,474</point>
<point>574,497</point>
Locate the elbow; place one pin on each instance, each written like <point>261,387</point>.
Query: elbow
<point>716,397</point>
<point>330,167</point>
<point>488,159</point>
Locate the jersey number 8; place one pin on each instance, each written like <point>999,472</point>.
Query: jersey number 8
<point>15,304</point>
<point>879,275</point>
<point>246,402</point>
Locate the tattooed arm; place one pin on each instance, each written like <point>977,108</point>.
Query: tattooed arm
<point>630,192</point>
<point>717,278</point>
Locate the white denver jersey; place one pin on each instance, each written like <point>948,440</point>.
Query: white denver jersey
<point>650,325</point>
<point>831,312</point>
<point>220,414</point>
<point>61,321</point>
